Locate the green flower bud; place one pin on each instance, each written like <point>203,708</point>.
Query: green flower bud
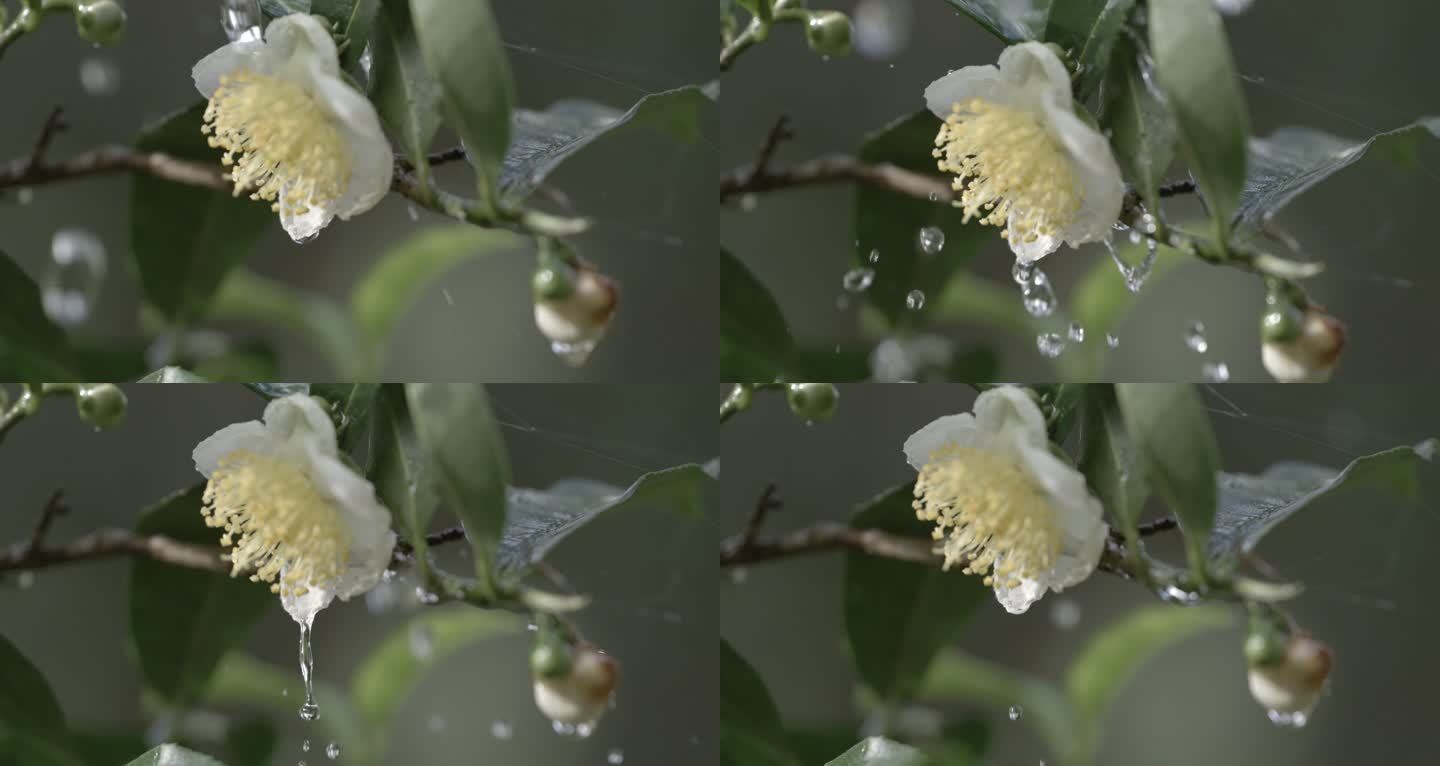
<point>551,659</point>
<point>552,283</point>
<point>1264,647</point>
<point>101,22</point>
<point>813,402</point>
<point>101,405</point>
<point>1281,322</point>
<point>828,33</point>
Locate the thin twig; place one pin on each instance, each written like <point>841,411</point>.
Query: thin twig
<point>768,502</point>
<point>838,168</point>
<point>54,125</point>
<point>55,506</point>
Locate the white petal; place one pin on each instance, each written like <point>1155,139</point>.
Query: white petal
<point>964,84</point>
<point>959,429</point>
<point>250,435</point>
<point>1096,172</point>
<point>1035,69</point>
<point>1018,599</point>
<point>371,540</point>
<point>249,54</point>
<point>303,40</point>
<point>299,421</point>
<point>302,609</point>
<point>305,225</point>
<point>372,161</point>
<point>1010,412</point>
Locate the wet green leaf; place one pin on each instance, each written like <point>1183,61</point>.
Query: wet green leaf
<point>750,730</point>
<point>878,751</point>
<point>404,92</point>
<point>1110,461</point>
<point>1012,21</point>
<point>182,621</point>
<point>898,614</point>
<point>1141,130</point>
<point>399,469</point>
<point>172,375</point>
<point>184,240</point>
<point>1195,71</point>
<point>538,519</point>
<point>1087,29</point>
<point>1252,505</point>
<point>357,28</point>
<point>27,705</point>
<point>754,339</point>
<point>393,670</point>
<point>354,403</point>
<point>31,346</point>
<point>174,755</point>
<point>278,390</point>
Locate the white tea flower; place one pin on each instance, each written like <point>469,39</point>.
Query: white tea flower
<point>1005,507</point>
<point>294,131</point>
<point>1022,156</point>
<point>294,514</point>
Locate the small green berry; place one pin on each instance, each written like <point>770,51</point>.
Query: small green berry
<point>551,659</point>
<point>101,405</point>
<point>101,22</point>
<point>1281,322</point>
<point>828,33</point>
<point>813,402</point>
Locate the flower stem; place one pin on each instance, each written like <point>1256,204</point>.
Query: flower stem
<point>758,29</point>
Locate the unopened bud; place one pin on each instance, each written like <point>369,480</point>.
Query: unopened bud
<point>1292,679</point>
<point>578,308</point>
<point>101,22</point>
<point>101,405</point>
<point>813,402</point>
<point>1310,355</point>
<point>583,694</point>
<point>828,33</point>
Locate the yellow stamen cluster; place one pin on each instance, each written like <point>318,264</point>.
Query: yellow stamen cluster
<point>1009,170</point>
<point>281,145</point>
<point>278,524</point>
<point>993,512</point>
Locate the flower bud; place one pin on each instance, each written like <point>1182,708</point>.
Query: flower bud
<point>1290,682</point>
<point>583,693</point>
<point>813,402</point>
<point>573,309</point>
<point>1310,355</point>
<point>101,22</point>
<point>551,659</point>
<point>101,405</point>
<point>828,33</point>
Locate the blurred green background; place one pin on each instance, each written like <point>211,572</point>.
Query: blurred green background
<point>1350,69</point>
<point>655,230</point>
<point>651,574</point>
<point>1366,559</point>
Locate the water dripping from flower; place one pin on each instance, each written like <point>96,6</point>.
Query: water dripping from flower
<point>915,300</point>
<point>1051,344</point>
<point>1111,340</point>
<point>932,240</point>
<point>1016,712</point>
<point>241,20</point>
<point>615,757</point>
<point>858,279</point>
<point>573,354</point>
<point>1215,372</point>
<point>309,710</point>
<point>1076,332</point>
<point>1195,338</point>
<point>99,76</point>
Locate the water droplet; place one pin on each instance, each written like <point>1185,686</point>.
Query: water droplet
<point>367,60</point>
<point>72,279</point>
<point>934,196</point>
<point>842,302</point>
<point>25,580</point>
<point>1174,594</point>
<point>1136,275</point>
<point>858,279</point>
<point>1111,340</point>
<point>1134,237</point>
<point>25,195</point>
<point>932,240</point>
<point>436,722</point>
<point>501,730</point>
<point>748,202</point>
<point>573,354</point>
<point>1065,613</point>
<point>562,728</point>
<point>332,751</point>
<point>99,76</point>
<point>874,256</point>
<point>422,642</point>
<point>1022,271</point>
<point>1215,372</point>
<point>412,211</point>
<point>1195,337</point>
<point>584,730</point>
<point>1050,344</point>
<point>1296,720</point>
<point>1076,332</point>
<point>738,575</point>
<point>915,300</point>
<point>309,711</point>
<point>1016,712</point>
<point>1037,295</point>
<point>881,27</point>
<point>615,756</point>
<point>305,746</point>
<point>300,763</point>
<point>240,19</point>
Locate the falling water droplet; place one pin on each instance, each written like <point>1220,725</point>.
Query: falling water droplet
<point>615,756</point>
<point>309,711</point>
<point>422,642</point>
<point>1136,275</point>
<point>1134,237</point>
<point>932,240</point>
<point>1050,344</point>
<point>1037,295</point>
<point>332,751</point>
<point>1215,372</point>
<point>1016,712</point>
<point>1022,271</point>
<point>436,722</point>
<point>1065,613</point>
<point>562,728</point>
<point>748,202</point>
<point>240,19</point>
<point>413,212</point>
<point>1076,332</point>
<point>501,730</point>
<point>305,746</point>
<point>738,575</point>
<point>72,279</point>
<point>857,280</point>
<point>573,354</point>
<point>25,580</point>
<point>874,256</point>
<point>367,60</point>
<point>915,300</point>
<point>1111,340</point>
<point>1195,337</point>
<point>99,76</point>
<point>584,730</point>
<point>882,27</point>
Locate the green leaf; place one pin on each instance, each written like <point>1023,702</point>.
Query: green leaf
<point>29,341</point>
<point>399,470</point>
<point>959,677</point>
<point>878,751</point>
<point>278,390</point>
<point>1140,127</point>
<point>1169,427</point>
<point>174,755</point>
<point>404,93</point>
<point>762,9</point>
<point>250,741</point>
<point>1252,505</point>
<point>392,670</point>
<point>276,8</point>
<point>185,240</point>
<point>249,297</point>
<point>962,743</point>
<point>1112,657</point>
<point>818,744</point>
<point>172,375</point>
<point>1012,21</point>
<point>898,614</point>
<point>354,402</point>
<point>750,730</point>
<point>401,275</point>
<point>538,519</point>
<point>890,223</point>
<point>182,621</point>
<point>27,705</point>
<point>1290,161</point>
<point>108,747</point>
<point>1110,462</point>
<point>358,29</point>
<point>338,12</point>
<point>752,327</point>
<point>471,470</point>
<point>1088,30</point>
<point>1195,72</point>
<point>540,141</point>
<point>462,47</point>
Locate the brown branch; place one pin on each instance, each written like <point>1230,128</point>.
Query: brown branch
<point>837,168</point>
